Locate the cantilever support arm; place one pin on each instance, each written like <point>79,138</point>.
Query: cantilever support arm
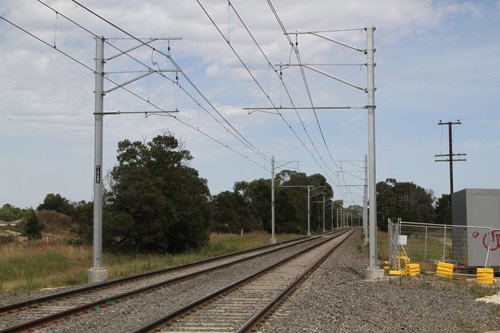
<point>335,77</point>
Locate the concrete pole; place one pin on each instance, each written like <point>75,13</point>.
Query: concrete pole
<point>97,273</point>
<point>308,211</point>
<point>372,272</point>
<point>331,207</point>
<point>324,216</point>
<point>273,238</point>
<point>365,203</point>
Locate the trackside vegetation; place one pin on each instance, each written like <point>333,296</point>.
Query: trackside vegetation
<point>158,211</point>
<point>37,265</point>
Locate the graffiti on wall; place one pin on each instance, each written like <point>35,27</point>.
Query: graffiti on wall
<point>490,238</point>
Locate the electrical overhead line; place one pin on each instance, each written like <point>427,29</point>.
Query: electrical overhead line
<point>263,90</point>
<point>280,78</point>
<point>163,112</point>
<point>237,136</point>
<point>275,71</point>
<point>192,84</point>
<point>168,56</point>
<point>304,79</point>
<point>204,97</point>
<point>296,51</point>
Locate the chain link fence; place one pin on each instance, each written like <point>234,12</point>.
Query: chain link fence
<point>468,246</point>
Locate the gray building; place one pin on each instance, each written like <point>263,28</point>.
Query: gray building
<point>476,232</point>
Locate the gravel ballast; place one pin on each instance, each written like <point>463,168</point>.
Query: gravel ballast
<point>336,298</point>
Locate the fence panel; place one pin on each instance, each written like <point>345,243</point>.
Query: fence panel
<point>429,243</point>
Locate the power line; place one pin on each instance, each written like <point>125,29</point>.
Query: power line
<point>297,54</point>
<point>182,72</point>
<point>281,80</point>
<point>238,135</point>
<point>166,113</point>
<point>260,86</point>
<point>194,86</point>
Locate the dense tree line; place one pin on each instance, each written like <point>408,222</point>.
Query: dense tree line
<point>155,202</point>
<point>248,206</point>
<point>411,203</point>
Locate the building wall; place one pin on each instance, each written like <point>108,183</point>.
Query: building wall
<point>477,208</point>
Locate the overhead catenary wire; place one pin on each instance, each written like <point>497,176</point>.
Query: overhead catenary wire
<point>168,56</point>
<point>194,87</point>
<point>279,76</point>
<point>235,133</point>
<point>295,49</point>
<point>186,77</point>
<point>166,113</point>
<point>263,90</point>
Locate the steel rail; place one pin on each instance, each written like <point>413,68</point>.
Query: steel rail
<point>176,313</point>
<point>110,300</point>
<point>95,286</point>
<point>259,316</point>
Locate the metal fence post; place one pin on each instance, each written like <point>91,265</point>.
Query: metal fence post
<point>489,247</point>
<point>425,246</point>
<point>444,244</point>
<point>389,238</point>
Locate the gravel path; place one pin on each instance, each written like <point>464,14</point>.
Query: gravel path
<point>336,298</point>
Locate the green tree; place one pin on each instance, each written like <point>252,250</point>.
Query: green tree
<point>31,227</point>
<point>290,212</point>
<point>231,213</point>
<point>10,213</point>
<point>157,203</point>
<point>55,202</point>
<point>257,194</point>
<point>290,202</point>
<point>403,200</point>
<point>443,210</point>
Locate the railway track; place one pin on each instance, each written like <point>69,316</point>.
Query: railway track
<point>42,311</point>
<point>242,305</point>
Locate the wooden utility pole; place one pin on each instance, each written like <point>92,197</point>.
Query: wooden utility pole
<point>450,156</point>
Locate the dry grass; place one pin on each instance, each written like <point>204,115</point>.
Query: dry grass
<point>33,266</point>
<point>25,266</point>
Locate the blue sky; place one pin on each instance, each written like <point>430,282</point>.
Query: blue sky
<point>436,60</point>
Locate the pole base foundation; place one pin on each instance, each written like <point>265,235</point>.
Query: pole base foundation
<point>373,273</point>
<point>98,274</point>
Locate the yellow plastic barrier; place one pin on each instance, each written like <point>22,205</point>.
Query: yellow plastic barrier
<point>444,269</point>
<point>484,275</point>
<point>404,259</point>
<point>413,269</point>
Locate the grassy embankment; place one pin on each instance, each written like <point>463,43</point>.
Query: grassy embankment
<point>29,266</point>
